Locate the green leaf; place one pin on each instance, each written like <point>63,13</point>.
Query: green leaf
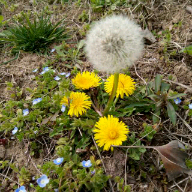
<point>171,113</point>
<point>164,87</point>
<point>177,95</point>
<point>187,50</point>
<point>1,18</point>
<point>156,115</point>
<point>157,82</point>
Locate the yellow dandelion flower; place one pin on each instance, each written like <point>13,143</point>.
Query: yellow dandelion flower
<point>77,102</point>
<point>126,85</point>
<point>86,80</point>
<point>109,131</point>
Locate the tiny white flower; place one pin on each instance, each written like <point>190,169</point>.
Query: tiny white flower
<point>35,132</point>
<point>57,78</point>
<point>14,130</point>
<point>114,43</point>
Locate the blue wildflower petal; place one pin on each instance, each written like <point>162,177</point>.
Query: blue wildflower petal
<point>14,130</point>
<point>52,50</point>
<point>177,101</point>
<point>63,108</point>
<point>21,189</point>
<point>35,101</point>
<point>86,163</point>
<point>62,73</point>
<point>58,161</point>
<point>190,106</point>
<point>68,74</point>
<point>25,112</point>
<point>57,78</point>
<point>35,70</point>
<point>42,181</point>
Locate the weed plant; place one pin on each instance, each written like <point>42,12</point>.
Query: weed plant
<point>33,36</point>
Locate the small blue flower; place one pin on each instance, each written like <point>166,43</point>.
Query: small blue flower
<point>35,101</point>
<point>35,70</point>
<point>62,73</point>
<point>52,50</point>
<point>57,78</point>
<point>177,101</point>
<point>63,108</point>
<point>190,106</point>
<point>25,112</point>
<point>56,190</point>
<point>68,74</point>
<point>21,189</point>
<point>45,69</point>
<point>93,172</point>
<point>14,130</point>
<point>42,181</point>
<point>58,161</point>
<point>86,163</point>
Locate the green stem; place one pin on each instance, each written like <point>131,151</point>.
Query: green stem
<point>113,94</point>
<point>116,99</point>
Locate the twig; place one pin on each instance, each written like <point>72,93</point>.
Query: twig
<point>178,186</point>
<point>9,179</point>
<point>180,84</point>
<point>103,163</point>
<point>35,165</point>
<point>139,75</point>
<point>186,124</point>
<point>179,182</point>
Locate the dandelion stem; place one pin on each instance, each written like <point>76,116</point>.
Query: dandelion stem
<point>113,93</point>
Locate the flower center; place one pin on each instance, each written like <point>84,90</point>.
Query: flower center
<point>42,181</point>
<point>113,134</point>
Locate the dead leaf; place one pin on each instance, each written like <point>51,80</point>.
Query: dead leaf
<point>173,158</point>
<point>51,118</point>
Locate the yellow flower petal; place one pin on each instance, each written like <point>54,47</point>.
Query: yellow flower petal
<point>78,103</point>
<point>109,131</point>
<point>86,80</point>
<point>126,85</point>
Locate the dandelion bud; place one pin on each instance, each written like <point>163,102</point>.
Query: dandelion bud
<point>114,43</point>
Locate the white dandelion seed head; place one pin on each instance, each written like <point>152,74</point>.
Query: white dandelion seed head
<point>114,43</point>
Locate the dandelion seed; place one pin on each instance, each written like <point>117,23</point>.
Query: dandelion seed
<point>21,189</point>
<point>109,131</point>
<point>58,161</point>
<point>190,106</point>
<point>63,108</point>
<point>126,85</point>
<point>25,112</point>
<point>79,103</point>
<point>86,80</point>
<point>57,78</point>
<point>42,181</point>
<point>35,101</point>
<point>177,101</point>
<point>86,163</point>
<point>114,43</point>
<point>14,130</point>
